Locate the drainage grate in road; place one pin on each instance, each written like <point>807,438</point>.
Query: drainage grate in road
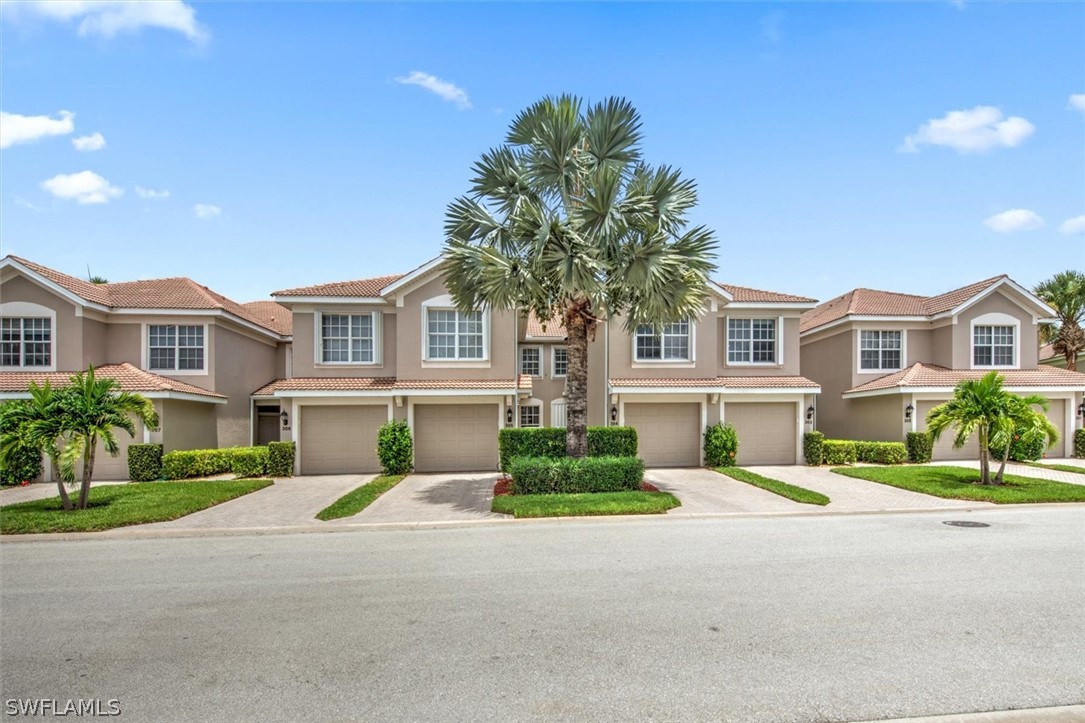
<point>965,523</point>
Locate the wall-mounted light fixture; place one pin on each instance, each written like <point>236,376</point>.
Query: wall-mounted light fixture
<point>1081,410</point>
<point>285,419</point>
<point>508,416</point>
<point>810,414</point>
<point>614,414</point>
<point>908,411</point>
<point>399,401</point>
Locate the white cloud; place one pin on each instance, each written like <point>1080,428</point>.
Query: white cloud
<point>1016,219</point>
<point>1073,226</point>
<point>1077,102</point>
<point>152,195</point>
<point>93,142</point>
<point>442,88</point>
<point>970,131</point>
<point>85,187</point>
<point>108,18</point>
<point>206,211</point>
<point>15,128</point>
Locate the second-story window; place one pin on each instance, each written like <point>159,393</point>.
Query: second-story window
<point>751,341</point>
<point>531,360</point>
<point>993,346</point>
<point>880,350</point>
<point>175,347</point>
<point>452,335</point>
<point>26,342</point>
<point>347,339</point>
<point>560,366</point>
<point>671,342</point>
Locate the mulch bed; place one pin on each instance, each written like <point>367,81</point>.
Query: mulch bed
<point>504,487</point>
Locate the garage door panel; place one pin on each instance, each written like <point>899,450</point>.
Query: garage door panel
<point>1057,416</point>
<point>668,434</point>
<point>455,437</point>
<point>340,439</point>
<point>766,431</point>
<point>943,448</point>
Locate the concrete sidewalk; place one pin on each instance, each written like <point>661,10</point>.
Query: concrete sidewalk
<point>1024,470</point>
<point>44,490</point>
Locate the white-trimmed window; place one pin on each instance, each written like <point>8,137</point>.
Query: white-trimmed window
<point>993,346</point>
<point>531,415</point>
<point>671,342</point>
<point>531,360</point>
<point>880,350</point>
<point>453,335</point>
<point>559,365</point>
<point>26,342</point>
<point>175,347</point>
<point>751,341</point>
<point>348,338</point>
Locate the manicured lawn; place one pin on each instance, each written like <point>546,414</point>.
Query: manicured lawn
<point>122,505</point>
<point>359,498</point>
<point>959,483</point>
<point>792,492</point>
<point>1058,467</point>
<point>582,505</point>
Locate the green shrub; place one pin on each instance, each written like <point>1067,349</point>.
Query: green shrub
<point>919,446</point>
<point>280,459</point>
<point>812,444</point>
<point>881,452</point>
<point>144,462</point>
<point>549,442</point>
<point>246,462</point>
<point>24,462</point>
<point>395,448</point>
<point>1079,443</point>
<point>839,451</point>
<point>565,475</point>
<point>720,445</point>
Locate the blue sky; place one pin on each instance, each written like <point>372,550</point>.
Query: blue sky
<point>284,125</point>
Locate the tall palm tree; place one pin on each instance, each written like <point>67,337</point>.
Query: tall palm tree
<point>1021,419</point>
<point>1065,293</point>
<point>566,220</point>
<point>977,404</point>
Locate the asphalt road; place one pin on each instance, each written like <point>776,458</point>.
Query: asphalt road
<point>780,619</point>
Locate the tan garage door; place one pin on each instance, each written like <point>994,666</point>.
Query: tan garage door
<point>340,439</point>
<point>943,448</point>
<point>113,468</point>
<point>668,435</point>
<point>766,431</point>
<point>455,437</point>
<point>1057,414</point>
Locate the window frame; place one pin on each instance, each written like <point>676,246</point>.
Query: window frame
<point>691,341</point>
<point>22,318</point>
<point>520,415</point>
<point>554,362</point>
<point>175,371</point>
<point>903,349</point>
<point>375,321</point>
<point>1015,335</point>
<point>537,348</point>
<point>778,342</point>
<point>444,304</point>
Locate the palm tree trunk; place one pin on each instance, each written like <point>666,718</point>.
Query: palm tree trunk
<point>1002,466</point>
<point>88,472</point>
<point>65,500</point>
<point>1071,361</point>
<point>576,380</point>
<point>985,466</point>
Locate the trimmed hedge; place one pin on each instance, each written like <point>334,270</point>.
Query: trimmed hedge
<point>813,444</point>
<point>720,445</point>
<point>549,442</point>
<point>565,475</point>
<point>280,459</point>
<point>242,461</point>
<point>395,448</point>
<point>919,446</point>
<point>144,462</point>
<point>1079,443</point>
<point>249,461</point>
<point>881,452</point>
<point>839,451</point>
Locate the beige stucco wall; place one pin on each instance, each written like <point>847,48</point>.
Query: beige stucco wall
<point>68,328</point>
<point>242,363</point>
<point>305,351</point>
<point>997,302</point>
<point>95,347</point>
<point>188,425</point>
<point>825,361</point>
<point>879,419</point>
<point>789,363</point>
<point>705,362</point>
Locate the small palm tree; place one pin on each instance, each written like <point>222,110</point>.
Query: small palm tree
<point>1022,420</point>
<point>566,220</point>
<point>1065,293</point>
<point>34,424</point>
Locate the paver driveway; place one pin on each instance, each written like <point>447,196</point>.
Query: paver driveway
<point>446,497</point>
<point>703,491</point>
<point>1056,475</point>
<point>41,491</point>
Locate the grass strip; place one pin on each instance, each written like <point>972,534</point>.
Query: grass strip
<point>792,492</point>
<point>111,506</point>
<point>359,498</point>
<point>959,483</point>
<point>585,504</point>
<point>1057,467</point>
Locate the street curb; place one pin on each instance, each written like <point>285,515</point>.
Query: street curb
<point>136,533</point>
<point>1058,714</point>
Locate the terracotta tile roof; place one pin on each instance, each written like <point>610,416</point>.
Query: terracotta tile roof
<point>272,315</point>
<point>370,287</point>
<point>745,293</point>
<point>536,329</point>
<point>130,379</point>
<point>388,384</point>
<point>872,302</point>
<point>172,293</point>
<point>931,375</point>
<point>723,383</point>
